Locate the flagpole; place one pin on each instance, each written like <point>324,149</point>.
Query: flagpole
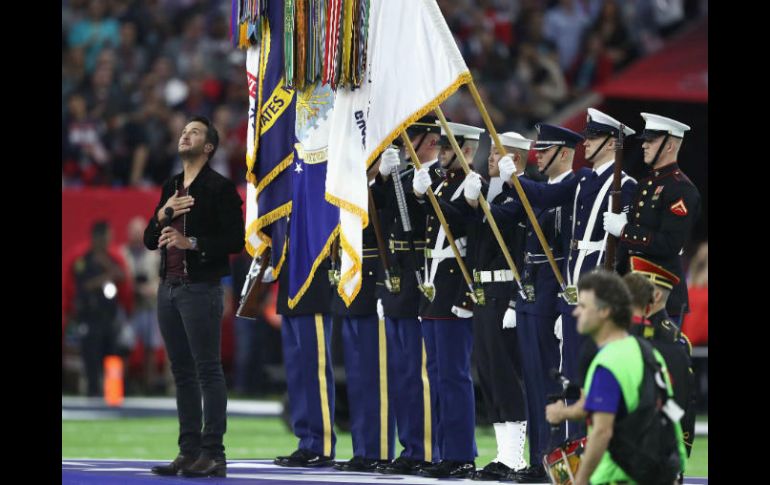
<point>482,200</point>
<point>440,215</point>
<point>517,185</point>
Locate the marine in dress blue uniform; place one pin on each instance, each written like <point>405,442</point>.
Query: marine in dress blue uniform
<point>411,372</point>
<point>450,313</point>
<point>664,208</point>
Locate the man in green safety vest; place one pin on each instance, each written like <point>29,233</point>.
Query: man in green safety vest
<point>612,385</point>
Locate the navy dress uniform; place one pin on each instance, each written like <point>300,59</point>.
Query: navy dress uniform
<point>447,323</point>
<point>663,212</point>
<point>587,197</point>
<point>365,355</point>
<point>411,372</point>
<point>306,333</point>
<point>672,344</point>
<point>495,348</point>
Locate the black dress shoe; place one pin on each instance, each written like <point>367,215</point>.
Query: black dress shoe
<point>531,474</point>
<point>449,469</point>
<point>359,464</point>
<point>305,459</point>
<point>402,466</point>
<point>284,460</point>
<point>181,461</point>
<point>493,471</point>
<point>206,466</point>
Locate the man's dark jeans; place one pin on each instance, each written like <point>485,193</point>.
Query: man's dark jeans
<point>190,319</point>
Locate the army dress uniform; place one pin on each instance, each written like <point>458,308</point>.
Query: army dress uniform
<point>411,372</point>
<point>364,345</point>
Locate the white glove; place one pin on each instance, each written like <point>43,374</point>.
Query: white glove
<point>557,330</point>
<point>507,168</point>
<point>389,161</point>
<point>472,186</point>
<point>267,276</point>
<point>380,310</point>
<point>509,319</point>
<point>421,181</point>
<point>614,223</point>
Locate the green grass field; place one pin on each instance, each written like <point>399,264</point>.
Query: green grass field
<point>246,438</point>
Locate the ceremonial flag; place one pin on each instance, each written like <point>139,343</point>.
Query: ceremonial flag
<point>314,221</point>
<point>413,64</point>
<point>270,140</point>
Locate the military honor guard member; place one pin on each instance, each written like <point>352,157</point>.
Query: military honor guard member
<point>495,347</point>
<point>446,310</point>
<point>664,207</point>
<point>411,372</point>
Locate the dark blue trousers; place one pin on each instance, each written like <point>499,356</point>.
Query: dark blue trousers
<point>429,338</point>
<point>371,422</point>
<point>569,362</point>
<point>457,412</point>
<point>310,380</point>
<point>409,388</point>
<point>539,349</point>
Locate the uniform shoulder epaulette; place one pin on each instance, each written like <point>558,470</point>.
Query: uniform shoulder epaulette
<point>681,177</point>
<point>668,330</point>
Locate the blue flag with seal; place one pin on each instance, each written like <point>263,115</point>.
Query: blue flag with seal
<point>270,141</point>
<point>314,221</point>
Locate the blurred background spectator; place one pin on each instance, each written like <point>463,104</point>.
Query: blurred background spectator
<point>98,288</point>
<point>696,323</point>
<point>143,267</point>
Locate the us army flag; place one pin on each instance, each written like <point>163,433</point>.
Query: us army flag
<point>413,65</point>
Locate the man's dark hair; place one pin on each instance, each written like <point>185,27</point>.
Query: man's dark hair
<point>610,292</point>
<point>212,135</point>
<point>99,228</point>
<point>641,289</point>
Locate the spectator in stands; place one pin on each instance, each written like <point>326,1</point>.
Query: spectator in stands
<point>545,88</point>
<point>696,323</point>
<point>611,28</point>
<point>84,155</point>
<point>564,25</point>
<point>143,269</point>
<point>592,67</point>
<point>95,32</point>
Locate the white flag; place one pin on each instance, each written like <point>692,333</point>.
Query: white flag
<point>253,242</point>
<point>413,65</point>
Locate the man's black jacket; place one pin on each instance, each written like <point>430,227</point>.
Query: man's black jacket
<point>215,219</point>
